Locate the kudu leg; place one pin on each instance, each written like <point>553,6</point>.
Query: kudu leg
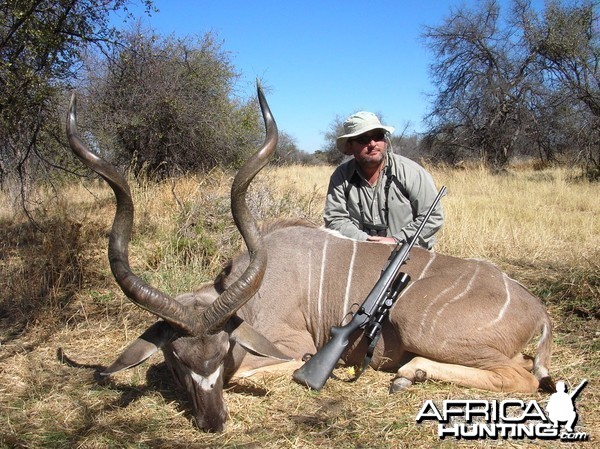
<point>277,368</point>
<point>524,361</point>
<point>509,376</point>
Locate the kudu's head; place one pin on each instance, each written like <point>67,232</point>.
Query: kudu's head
<point>195,332</point>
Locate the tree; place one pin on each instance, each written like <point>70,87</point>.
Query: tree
<point>329,150</point>
<point>515,83</point>
<point>165,105</point>
<point>567,39</point>
<point>407,145</point>
<point>483,69</point>
<point>289,153</point>
<point>41,42</point>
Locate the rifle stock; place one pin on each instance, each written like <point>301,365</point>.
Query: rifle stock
<point>315,372</point>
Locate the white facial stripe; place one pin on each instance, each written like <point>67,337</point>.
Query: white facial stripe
<point>207,382</point>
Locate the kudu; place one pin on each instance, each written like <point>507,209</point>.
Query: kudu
<point>458,320</point>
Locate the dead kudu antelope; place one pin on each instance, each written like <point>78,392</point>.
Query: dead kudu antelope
<point>459,320</point>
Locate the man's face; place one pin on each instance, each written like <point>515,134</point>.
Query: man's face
<point>368,148</point>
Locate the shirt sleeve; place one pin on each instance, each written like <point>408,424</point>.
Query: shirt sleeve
<point>336,214</point>
<point>421,191</point>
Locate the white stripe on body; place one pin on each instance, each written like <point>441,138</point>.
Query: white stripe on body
<point>432,257</point>
<point>309,290</point>
<point>540,370</point>
<point>439,297</point>
<point>349,280</point>
<point>503,309</point>
<point>321,283</point>
<point>456,298</point>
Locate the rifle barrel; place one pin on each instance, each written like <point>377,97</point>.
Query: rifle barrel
<point>579,387</point>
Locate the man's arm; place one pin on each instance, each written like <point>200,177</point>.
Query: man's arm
<point>421,191</point>
<point>336,214</point>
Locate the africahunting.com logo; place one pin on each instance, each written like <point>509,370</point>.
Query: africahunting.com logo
<point>508,419</point>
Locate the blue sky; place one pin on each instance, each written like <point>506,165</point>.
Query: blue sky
<point>320,59</point>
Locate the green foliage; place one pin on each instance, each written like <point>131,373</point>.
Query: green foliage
<point>567,32</point>
<point>568,43</point>
<point>41,43</point>
<point>167,105</point>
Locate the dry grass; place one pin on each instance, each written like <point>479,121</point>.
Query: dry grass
<point>57,292</point>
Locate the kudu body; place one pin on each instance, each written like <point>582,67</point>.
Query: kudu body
<point>459,320</point>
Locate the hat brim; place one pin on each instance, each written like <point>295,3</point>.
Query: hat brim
<point>341,140</point>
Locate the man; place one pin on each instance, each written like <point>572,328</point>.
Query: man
<point>379,196</point>
<point>560,407</point>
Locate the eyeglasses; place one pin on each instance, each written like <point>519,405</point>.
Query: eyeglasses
<point>364,139</point>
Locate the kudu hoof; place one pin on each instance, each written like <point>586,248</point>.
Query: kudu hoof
<point>400,384</point>
<point>420,376</point>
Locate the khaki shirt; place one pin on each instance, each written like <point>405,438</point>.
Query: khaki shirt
<point>352,201</point>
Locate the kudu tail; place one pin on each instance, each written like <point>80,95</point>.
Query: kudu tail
<point>541,362</point>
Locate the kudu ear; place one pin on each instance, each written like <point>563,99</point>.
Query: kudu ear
<point>143,348</point>
<point>252,341</point>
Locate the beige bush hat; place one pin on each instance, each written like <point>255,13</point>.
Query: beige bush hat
<point>359,123</point>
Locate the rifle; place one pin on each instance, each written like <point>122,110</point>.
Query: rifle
<point>573,394</point>
<point>371,314</point>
